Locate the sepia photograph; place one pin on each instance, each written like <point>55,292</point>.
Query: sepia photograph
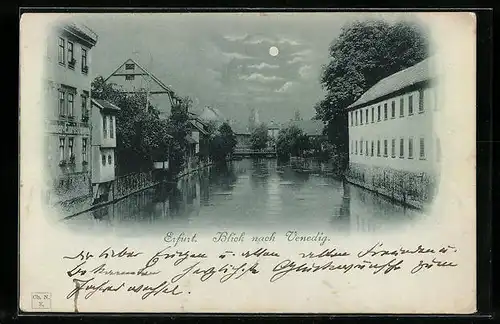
<point>312,134</point>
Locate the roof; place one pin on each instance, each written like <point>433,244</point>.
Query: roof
<point>410,76</point>
<point>239,128</point>
<point>190,140</point>
<point>104,104</point>
<point>199,126</point>
<point>310,127</point>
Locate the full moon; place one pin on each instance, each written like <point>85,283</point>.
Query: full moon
<point>273,51</point>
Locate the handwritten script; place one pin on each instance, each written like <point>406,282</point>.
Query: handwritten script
<point>181,260</point>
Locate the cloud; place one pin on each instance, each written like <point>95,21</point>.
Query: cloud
<point>296,59</point>
<point>302,53</point>
<point>285,87</point>
<point>288,41</point>
<point>259,77</point>
<point>259,40</point>
<point>234,38</point>
<point>235,55</point>
<point>305,71</point>
<point>263,65</point>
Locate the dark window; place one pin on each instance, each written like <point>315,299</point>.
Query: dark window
<point>70,148</point>
<point>410,148</point>
<point>62,51</point>
<point>71,104</point>
<point>129,77</point>
<point>352,119</point>
<point>356,151</point>
<point>385,147</point>
<point>103,160</point>
<point>84,149</point>
<point>410,105</point>
<point>401,107</point>
<point>393,109</point>
<point>378,112</point>
<point>378,147</point>
<point>361,147</point>
<point>356,116</point>
<point>372,149</point>
<point>71,55</point>
<point>422,148</point>
<point>366,115</point>
<point>401,148</point>
<point>366,144</point>
<point>129,66</point>
<point>84,60</point>
<point>105,126</point>
<point>393,148</point>
<point>373,114</point>
<point>109,159</point>
<point>61,149</point>
<point>111,127</point>
<point>421,101</point>
<point>385,111</point>
<point>85,111</point>
<point>61,103</point>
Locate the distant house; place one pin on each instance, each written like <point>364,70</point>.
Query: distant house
<point>197,140</point>
<point>103,146</point>
<point>312,128</point>
<point>242,134</point>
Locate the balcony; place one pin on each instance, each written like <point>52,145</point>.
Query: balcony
<point>71,63</point>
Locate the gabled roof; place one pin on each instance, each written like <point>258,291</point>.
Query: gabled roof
<point>310,127</point>
<point>405,78</point>
<point>105,105</point>
<point>198,126</point>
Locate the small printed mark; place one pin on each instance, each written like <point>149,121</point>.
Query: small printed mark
<point>40,300</point>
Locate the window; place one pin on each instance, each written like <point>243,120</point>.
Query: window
<point>422,148</point>
<point>378,109</point>
<point>366,115</point>
<point>438,150</point>
<point>421,101</point>
<point>393,109</point>
<point>71,104</point>
<point>372,149</point>
<point>410,105</point>
<point>385,148</point>
<point>361,117</point>
<point>129,66</point>
<point>84,149</point>
<point>61,53</point>
<point>378,147</point>
<point>129,77</point>
<point>373,113</point>
<point>111,127</point>
<point>401,107</point>
<point>103,158</point>
<point>410,148</point>
<point>356,117</point>
<point>61,149</point>
<point>393,148</point>
<point>61,103</point>
<point>366,144</point>
<point>105,126</point>
<point>70,147</point>
<point>84,60</point>
<point>85,111</point>
<point>109,159</point>
<point>71,55</point>
<point>361,147</point>
<point>352,147</point>
<point>356,150</point>
<point>385,111</point>
<point>352,120</point>
<point>402,148</point>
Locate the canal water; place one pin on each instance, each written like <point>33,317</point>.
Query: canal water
<point>250,194</point>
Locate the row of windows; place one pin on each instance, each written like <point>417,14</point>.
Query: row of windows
<point>364,147</point>
<point>103,159</point>
<point>108,131</point>
<point>66,54</point>
<point>360,116</point>
<point>66,103</point>
<point>66,149</point>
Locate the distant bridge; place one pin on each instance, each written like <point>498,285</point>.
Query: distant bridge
<point>250,152</point>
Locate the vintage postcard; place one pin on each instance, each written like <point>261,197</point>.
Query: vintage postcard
<point>248,162</point>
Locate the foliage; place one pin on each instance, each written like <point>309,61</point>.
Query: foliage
<point>259,137</point>
<point>363,54</point>
<point>222,143</point>
<point>178,127</point>
<point>291,141</point>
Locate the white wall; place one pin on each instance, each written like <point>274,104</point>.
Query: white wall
<point>102,172</point>
<point>416,126</point>
<point>98,137</point>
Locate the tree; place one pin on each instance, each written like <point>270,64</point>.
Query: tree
<point>178,127</point>
<point>259,137</point>
<point>363,54</point>
<point>222,143</point>
<point>291,141</point>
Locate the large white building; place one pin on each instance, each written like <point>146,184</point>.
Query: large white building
<point>67,80</point>
<point>393,145</point>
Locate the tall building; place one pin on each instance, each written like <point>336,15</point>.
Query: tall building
<point>393,146</point>
<point>67,83</point>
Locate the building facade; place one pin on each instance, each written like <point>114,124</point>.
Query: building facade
<point>67,82</point>
<point>393,146</point>
<point>103,148</point>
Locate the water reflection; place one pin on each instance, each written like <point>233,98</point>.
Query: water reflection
<point>246,194</point>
